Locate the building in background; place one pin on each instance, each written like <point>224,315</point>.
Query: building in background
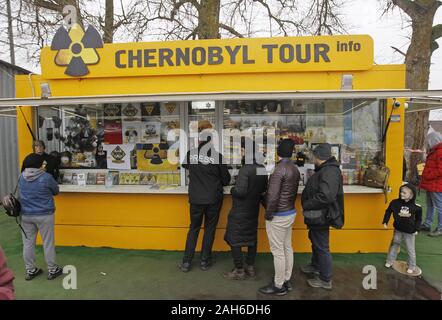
<point>436,120</point>
<point>9,167</point>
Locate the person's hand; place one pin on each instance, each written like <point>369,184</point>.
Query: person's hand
<point>269,216</point>
<point>416,233</point>
<point>385,226</point>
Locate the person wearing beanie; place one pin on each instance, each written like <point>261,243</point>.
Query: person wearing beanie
<point>37,191</point>
<point>323,206</point>
<point>280,216</point>
<point>52,163</point>
<point>407,215</point>
<point>208,174</point>
<point>242,222</point>
<point>431,182</point>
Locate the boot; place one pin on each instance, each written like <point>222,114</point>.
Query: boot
<point>235,274</point>
<point>250,271</point>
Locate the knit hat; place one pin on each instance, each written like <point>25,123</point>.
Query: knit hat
<point>433,139</point>
<point>33,161</point>
<point>285,148</point>
<point>322,151</point>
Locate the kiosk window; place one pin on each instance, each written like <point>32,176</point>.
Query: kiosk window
<point>130,140</point>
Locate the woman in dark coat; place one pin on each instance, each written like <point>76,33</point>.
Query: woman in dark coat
<point>242,224</point>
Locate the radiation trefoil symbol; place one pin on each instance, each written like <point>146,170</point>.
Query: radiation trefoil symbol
<point>76,49</point>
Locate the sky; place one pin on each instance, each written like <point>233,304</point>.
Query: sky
<point>364,17</point>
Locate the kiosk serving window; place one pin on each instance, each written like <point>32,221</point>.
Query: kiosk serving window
<point>353,127</point>
<point>127,143</point>
<point>140,143</point>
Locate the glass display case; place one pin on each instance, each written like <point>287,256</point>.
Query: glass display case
<point>114,144</point>
<point>352,127</point>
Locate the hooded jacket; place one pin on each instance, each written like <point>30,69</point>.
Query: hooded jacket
<point>242,223</point>
<point>324,192</point>
<point>6,279</point>
<point>207,174</point>
<point>407,215</point>
<point>432,175</point>
<point>37,189</point>
<point>52,165</point>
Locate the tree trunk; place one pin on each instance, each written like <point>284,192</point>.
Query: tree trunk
<point>10,34</point>
<point>208,19</point>
<point>417,61</point>
<point>108,36</point>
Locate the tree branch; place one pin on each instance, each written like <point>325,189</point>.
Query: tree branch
<point>231,30</point>
<point>408,6</point>
<point>436,32</point>
<point>399,51</point>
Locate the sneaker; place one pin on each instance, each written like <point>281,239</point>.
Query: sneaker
<point>387,265</point>
<point>235,274</point>
<point>250,271</point>
<point>435,233</point>
<point>309,269</point>
<point>424,227</point>
<point>288,286</point>
<point>54,273</point>
<point>271,289</point>
<point>410,271</point>
<point>184,266</point>
<point>205,265</point>
<point>32,274</point>
<point>318,283</point>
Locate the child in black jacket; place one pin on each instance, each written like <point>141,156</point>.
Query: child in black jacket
<point>407,217</point>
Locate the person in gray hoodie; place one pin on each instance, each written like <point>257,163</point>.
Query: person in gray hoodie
<point>37,191</point>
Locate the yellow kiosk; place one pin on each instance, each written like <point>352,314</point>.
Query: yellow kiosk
<point>109,110</point>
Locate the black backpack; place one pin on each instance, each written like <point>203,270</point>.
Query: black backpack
<point>13,207</point>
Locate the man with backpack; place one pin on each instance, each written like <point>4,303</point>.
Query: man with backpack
<point>37,191</point>
<point>323,206</point>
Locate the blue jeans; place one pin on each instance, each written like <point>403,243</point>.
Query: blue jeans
<point>434,202</point>
<point>321,256</point>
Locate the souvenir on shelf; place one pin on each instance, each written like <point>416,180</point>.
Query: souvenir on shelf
<point>170,109</point>
<point>131,112</point>
<point>101,178</point>
<point>129,178</point>
<point>150,109</point>
<point>67,178</point>
<point>81,179</point>
<point>150,132</point>
<point>131,132</point>
<point>112,124</point>
<point>91,178</point>
<point>118,156</point>
<point>147,179</point>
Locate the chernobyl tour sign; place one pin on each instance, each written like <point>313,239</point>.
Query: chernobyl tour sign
<point>281,54</point>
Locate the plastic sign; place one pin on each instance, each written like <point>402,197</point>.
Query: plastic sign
<point>76,49</point>
<point>283,54</point>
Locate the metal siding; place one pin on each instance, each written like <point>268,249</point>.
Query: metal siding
<point>9,167</point>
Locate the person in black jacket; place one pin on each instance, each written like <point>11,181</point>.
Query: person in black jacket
<point>207,177</point>
<point>323,206</point>
<point>52,163</point>
<point>407,217</point>
<point>242,223</point>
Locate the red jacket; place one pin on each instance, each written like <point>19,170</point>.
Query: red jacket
<point>6,278</point>
<point>432,175</point>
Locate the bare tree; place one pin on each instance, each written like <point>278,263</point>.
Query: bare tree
<point>418,61</point>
